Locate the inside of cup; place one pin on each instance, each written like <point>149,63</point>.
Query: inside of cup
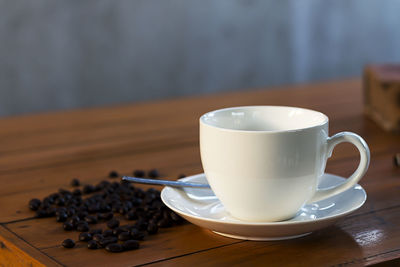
<point>264,118</point>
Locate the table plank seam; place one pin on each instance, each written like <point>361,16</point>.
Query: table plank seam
<point>42,252</point>
<point>19,220</point>
<point>363,260</point>
<point>372,211</point>
<point>382,253</point>
<point>190,253</point>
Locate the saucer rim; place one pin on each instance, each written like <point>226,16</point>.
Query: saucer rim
<point>278,223</point>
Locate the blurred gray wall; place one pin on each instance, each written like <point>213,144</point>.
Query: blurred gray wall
<point>75,53</point>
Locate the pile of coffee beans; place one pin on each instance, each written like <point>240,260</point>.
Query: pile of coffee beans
<point>87,205</point>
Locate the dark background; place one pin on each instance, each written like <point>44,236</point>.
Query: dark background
<point>82,53</point>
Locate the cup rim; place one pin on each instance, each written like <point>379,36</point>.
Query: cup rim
<point>203,121</point>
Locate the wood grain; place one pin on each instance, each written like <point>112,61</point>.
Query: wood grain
<point>17,252</point>
<point>41,153</point>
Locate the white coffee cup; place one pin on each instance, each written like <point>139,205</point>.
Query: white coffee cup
<point>264,162</point>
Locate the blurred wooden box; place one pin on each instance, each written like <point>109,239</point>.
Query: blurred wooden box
<point>382,95</point>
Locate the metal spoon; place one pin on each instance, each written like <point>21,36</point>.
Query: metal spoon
<point>164,182</point>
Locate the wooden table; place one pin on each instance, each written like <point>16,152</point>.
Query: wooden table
<point>41,153</point>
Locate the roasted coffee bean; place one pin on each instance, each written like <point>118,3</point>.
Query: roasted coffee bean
<point>103,184</point>
<point>114,247</point>
<point>141,224</point>
<point>72,202</point>
<point>141,214</point>
<point>53,197</point>
<point>68,226</point>
<point>153,221</point>
<point>68,243</point>
<point>87,189</point>
<point>77,192</point>
<point>41,214</point>
<point>117,231</point>
<point>139,193</point>
<point>108,232</point>
<point>113,223</point>
<point>153,173</point>
<point>75,218</point>
<point>115,208</point>
<point>115,185</point>
<point>166,214</point>
<point>130,245</point>
<point>51,211</point>
<point>60,201</point>
<point>152,190</point>
<point>126,227</point>
<point>82,226</point>
<point>94,208</point>
<point>139,173</point>
<point>109,190</point>
<point>61,217</point>
<point>71,212</point>
<point>75,182</point>
<point>124,236</point>
<point>92,244</point>
<point>61,192</point>
<point>82,214</point>
<point>175,217</point>
<point>128,205</point>
<point>95,231</point>
<point>34,204</point>
<point>67,194</point>
<point>123,210</point>
<point>159,206</point>
<point>97,188</point>
<point>104,207</point>
<point>136,234</point>
<point>113,174</point>
<point>107,240</point>
<point>98,237</point>
<point>105,216</point>
<point>61,210</point>
<point>78,200</point>
<point>85,236</point>
<point>152,228</point>
<point>157,216</point>
<point>90,219</point>
<point>164,223</point>
<point>48,201</point>
<point>136,201</point>
<point>45,205</point>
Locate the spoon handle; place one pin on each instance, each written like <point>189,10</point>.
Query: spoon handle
<point>164,182</point>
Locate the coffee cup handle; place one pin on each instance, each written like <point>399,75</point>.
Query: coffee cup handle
<point>362,147</point>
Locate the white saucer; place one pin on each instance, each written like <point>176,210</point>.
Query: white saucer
<point>203,208</point>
